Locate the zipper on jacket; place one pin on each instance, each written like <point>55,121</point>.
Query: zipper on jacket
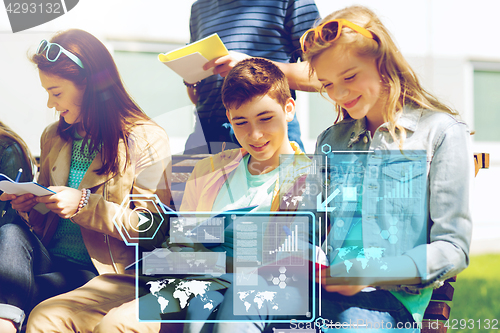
<point>106,237</point>
<point>106,240</point>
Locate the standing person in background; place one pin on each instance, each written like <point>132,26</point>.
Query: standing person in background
<point>382,108</point>
<point>264,28</point>
<point>102,150</point>
<point>14,155</point>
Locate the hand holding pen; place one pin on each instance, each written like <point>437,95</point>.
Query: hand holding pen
<point>19,173</point>
<point>21,203</point>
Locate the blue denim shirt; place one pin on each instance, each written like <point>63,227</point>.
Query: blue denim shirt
<point>442,250</point>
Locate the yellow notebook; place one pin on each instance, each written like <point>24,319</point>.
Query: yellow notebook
<point>188,61</point>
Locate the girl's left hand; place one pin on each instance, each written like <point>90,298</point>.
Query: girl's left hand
<point>64,202</point>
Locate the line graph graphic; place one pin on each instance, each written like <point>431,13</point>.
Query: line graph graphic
<point>206,230</point>
<point>247,276</point>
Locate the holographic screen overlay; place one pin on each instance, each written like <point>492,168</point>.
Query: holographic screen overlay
<point>375,203</point>
<point>293,170</point>
<point>271,261</point>
<point>140,217</point>
<point>179,254</point>
<point>140,220</point>
<point>162,261</point>
<point>270,268</point>
<point>271,240</point>
<point>300,182</point>
<point>197,229</point>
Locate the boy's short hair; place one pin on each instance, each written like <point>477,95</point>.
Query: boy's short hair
<point>251,78</point>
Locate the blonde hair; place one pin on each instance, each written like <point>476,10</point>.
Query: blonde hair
<point>400,82</point>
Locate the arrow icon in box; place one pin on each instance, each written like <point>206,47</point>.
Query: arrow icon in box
<point>142,219</point>
<point>145,219</point>
<point>323,206</point>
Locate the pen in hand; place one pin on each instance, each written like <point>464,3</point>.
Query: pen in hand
<point>19,173</point>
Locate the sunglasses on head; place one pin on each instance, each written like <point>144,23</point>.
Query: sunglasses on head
<point>329,32</point>
<point>54,50</point>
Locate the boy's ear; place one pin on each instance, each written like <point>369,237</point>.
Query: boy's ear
<point>228,116</point>
<point>290,109</point>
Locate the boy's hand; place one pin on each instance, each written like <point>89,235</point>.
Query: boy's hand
<point>64,202</point>
<point>23,203</point>
<point>225,63</point>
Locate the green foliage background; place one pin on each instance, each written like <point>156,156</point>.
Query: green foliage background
<point>477,294</point>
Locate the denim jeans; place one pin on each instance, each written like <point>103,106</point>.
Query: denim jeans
<point>377,309</point>
<point>29,275</point>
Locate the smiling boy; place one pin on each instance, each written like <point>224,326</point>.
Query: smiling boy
<point>259,106</point>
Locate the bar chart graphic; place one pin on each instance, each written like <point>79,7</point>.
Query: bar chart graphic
<point>283,244</point>
<point>402,188</point>
<point>291,242</point>
<point>398,189</point>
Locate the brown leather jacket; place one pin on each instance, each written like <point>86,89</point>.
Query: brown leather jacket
<point>103,221</point>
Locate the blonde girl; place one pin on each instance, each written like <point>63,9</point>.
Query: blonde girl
<point>381,106</point>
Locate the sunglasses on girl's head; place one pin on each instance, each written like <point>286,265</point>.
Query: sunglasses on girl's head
<point>54,50</point>
<point>328,32</point>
